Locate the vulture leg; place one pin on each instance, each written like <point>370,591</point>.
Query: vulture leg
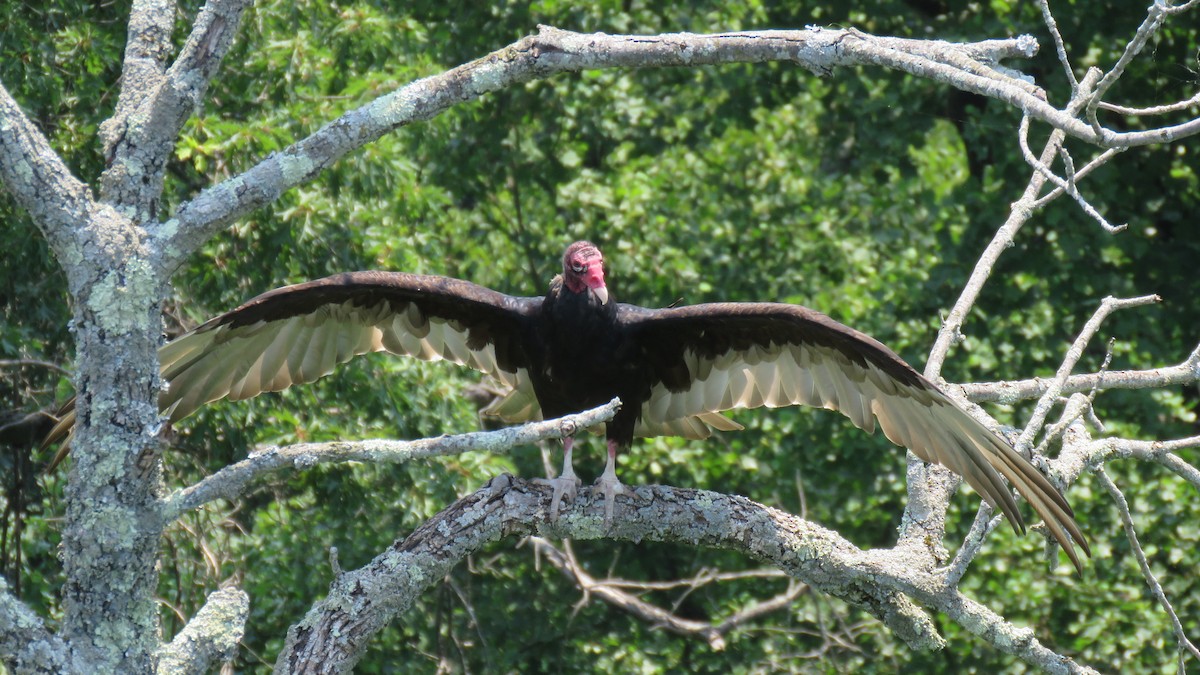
<point>567,482</point>
<point>609,484</point>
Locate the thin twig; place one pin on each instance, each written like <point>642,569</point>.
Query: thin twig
<point>1155,15</point>
<point>1159,452</point>
<point>1153,110</point>
<point>470,608</point>
<point>610,591</point>
<point>1042,409</point>
<point>1067,184</point>
<point>1059,47</point>
<point>983,525</point>
<point>1152,581</point>
<point>33,363</point>
<point>1096,162</point>
<point>703,577</point>
<point>1183,8</point>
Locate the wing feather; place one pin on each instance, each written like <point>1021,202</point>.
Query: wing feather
<point>297,334</point>
<point>746,355</point>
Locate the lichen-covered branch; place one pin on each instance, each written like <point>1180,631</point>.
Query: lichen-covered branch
<point>211,636</point>
<point>140,137</point>
<point>40,182</point>
<point>334,634</point>
<point>982,622</point>
<point>25,644</point>
<point>233,481</point>
<point>147,50</point>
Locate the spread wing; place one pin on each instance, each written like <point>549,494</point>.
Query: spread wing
<point>713,357</point>
<point>296,334</point>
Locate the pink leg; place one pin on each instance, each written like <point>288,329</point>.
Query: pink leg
<point>566,483</point>
<point>609,484</point>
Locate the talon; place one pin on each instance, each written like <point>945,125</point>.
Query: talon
<point>563,485</point>
<point>611,487</point>
<point>566,484</point>
<point>608,483</point>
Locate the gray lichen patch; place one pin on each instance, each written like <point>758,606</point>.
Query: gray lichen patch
<point>119,298</point>
<point>295,168</point>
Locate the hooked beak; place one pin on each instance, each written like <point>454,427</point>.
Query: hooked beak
<point>594,278</point>
<point>599,292</point>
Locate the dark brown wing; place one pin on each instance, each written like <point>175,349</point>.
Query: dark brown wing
<point>713,357</point>
<point>297,334</point>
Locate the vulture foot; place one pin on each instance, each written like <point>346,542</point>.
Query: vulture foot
<point>566,484</point>
<point>611,487</point>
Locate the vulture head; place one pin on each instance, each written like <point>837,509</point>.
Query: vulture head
<point>583,270</point>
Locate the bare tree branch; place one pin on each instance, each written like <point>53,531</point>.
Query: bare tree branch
<point>1038,418</point>
<point>1152,581</point>
<point>1160,452</point>
<point>555,51</point>
<point>969,67</point>
<point>147,49</point>
<point>1067,184</point>
<point>1019,214</point>
<point>612,593</point>
<point>1155,16</point>
<point>212,635</point>
<point>930,487</point>
<point>333,635</point>
<point>233,481</point>
<point>1059,47</point>
<point>33,363</point>
<point>1095,163</point>
<point>1168,108</point>
<point>40,182</point>
<point>140,137</point>
<point>705,577</point>
<point>981,527</point>
<point>1187,372</point>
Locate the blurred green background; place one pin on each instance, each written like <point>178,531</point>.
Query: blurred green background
<point>867,195</point>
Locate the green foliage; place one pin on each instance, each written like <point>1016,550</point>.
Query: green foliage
<point>867,195</point>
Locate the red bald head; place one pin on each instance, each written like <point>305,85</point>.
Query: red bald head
<point>583,269</point>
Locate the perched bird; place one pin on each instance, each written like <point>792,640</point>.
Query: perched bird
<point>674,369</point>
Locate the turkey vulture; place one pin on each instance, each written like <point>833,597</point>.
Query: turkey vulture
<point>674,369</point>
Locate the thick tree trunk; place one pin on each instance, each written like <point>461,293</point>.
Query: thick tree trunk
<point>113,519</point>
